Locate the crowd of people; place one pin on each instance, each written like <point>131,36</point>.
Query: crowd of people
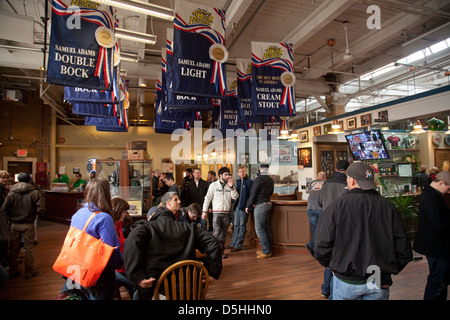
<point>357,234</point>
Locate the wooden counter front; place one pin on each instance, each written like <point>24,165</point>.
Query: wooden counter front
<point>289,223</point>
<point>60,206</point>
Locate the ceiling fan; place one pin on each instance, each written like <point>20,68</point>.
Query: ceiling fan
<point>348,56</point>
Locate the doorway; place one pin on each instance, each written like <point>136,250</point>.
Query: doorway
<point>17,165</point>
<point>180,169</point>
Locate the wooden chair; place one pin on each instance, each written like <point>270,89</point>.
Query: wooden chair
<point>184,280</point>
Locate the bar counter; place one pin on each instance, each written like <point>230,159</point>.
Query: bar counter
<point>60,206</point>
<point>289,223</point>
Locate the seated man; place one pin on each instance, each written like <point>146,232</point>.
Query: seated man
<point>154,245</point>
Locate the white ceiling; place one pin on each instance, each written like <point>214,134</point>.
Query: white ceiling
<point>406,27</point>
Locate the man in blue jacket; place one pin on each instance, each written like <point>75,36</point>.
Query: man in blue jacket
<point>243,185</point>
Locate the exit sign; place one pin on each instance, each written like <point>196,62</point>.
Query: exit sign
<point>22,153</point>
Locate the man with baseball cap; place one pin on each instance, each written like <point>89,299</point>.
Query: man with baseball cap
<point>331,189</point>
<point>433,235</point>
<point>359,233</point>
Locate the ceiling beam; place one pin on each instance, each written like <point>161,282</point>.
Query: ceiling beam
<point>319,18</point>
<point>370,41</point>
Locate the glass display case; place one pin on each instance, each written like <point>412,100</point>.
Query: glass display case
<point>129,180</point>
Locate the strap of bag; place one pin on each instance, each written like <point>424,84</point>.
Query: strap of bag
<point>89,220</point>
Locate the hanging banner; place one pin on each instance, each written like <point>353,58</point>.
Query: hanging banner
<point>82,42</point>
<point>93,110</point>
<point>273,79</point>
<point>229,113</point>
<point>174,100</point>
<point>168,126</point>
<point>199,51</point>
<point>75,94</point>
<point>215,121</point>
<point>273,127</point>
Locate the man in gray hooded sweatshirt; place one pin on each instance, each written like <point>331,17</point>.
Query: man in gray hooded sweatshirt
<point>21,206</point>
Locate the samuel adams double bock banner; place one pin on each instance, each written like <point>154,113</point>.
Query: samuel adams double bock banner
<point>273,79</point>
<point>81,45</point>
<point>199,51</point>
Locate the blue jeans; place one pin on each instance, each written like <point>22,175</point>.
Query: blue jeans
<point>313,217</point>
<point>122,280</point>
<point>240,228</point>
<point>262,225</point>
<point>326,286</point>
<point>438,279</point>
<point>346,291</point>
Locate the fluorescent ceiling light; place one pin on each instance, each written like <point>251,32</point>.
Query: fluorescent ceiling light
<point>142,7</point>
<point>135,36</point>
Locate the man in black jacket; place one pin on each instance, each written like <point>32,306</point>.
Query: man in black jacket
<point>331,189</point>
<point>433,235</point>
<point>259,201</point>
<point>21,206</point>
<point>421,179</point>
<point>358,233</point>
<point>154,245</point>
<point>195,192</point>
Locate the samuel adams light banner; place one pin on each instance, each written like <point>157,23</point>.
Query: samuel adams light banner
<point>273,79</point>
<point>81,44</point>
<point>199,51</point>
<point>174,100</point>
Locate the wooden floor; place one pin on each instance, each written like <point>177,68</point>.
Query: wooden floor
<point>291,274</point>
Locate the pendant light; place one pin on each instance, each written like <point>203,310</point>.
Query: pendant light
<point>284,131</point>
<point>348,56</point>
<point>335,128</point>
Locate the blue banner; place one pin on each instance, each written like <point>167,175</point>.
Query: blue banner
<point>273,79</point>
<point>199,51</point>
<point>174,100</point>
<point>82,45</point>
<point>75,94</point>
<point>229,113</point>
<point>273,127</point>
<point>93,110</point>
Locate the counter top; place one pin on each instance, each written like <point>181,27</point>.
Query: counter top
<point>63,192</point>
<point>290,202</point>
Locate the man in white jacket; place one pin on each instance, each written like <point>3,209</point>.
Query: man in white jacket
<point>220,193</point>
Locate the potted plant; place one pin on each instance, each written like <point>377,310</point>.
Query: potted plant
<point>406,205</point>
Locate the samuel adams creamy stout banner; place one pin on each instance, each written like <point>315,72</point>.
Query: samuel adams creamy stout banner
<point>273,79</point>
<point>81,44</point>
<point>199,51</point>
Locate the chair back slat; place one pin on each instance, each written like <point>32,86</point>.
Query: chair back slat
<point>184,280</point>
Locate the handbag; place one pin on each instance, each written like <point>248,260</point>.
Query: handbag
<point>83,257</point>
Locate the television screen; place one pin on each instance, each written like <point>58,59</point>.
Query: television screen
<point>368,145</point>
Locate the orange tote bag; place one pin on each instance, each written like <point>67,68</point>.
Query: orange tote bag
<point>83,257</point>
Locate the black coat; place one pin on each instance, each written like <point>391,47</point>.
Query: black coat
<point>433,232</point>
<point>421,179</point>
<point>152,246</point>
<point>360,229</point>
<point>194,194</point>
<point>261,191</point>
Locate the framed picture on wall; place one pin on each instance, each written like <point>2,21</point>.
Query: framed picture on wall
<point>303,136</point>
<point>366,120</point>
<point>326,128</point>
<point>304,157</point>
<point>316,131</point>
<point>351,123</point>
